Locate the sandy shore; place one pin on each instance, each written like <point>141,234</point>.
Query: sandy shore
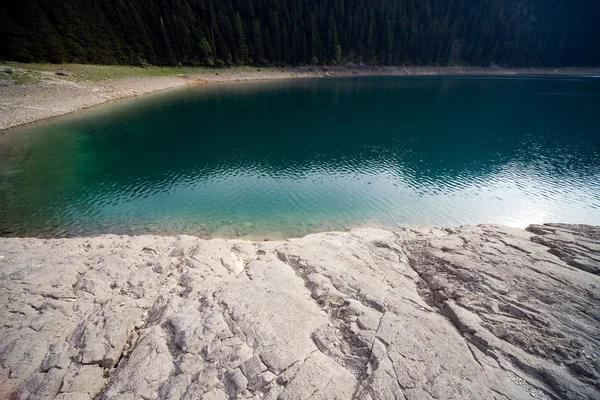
<point>478,312</point>
<point>58,95</point>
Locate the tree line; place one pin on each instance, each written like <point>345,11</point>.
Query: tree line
<point>300,32</point>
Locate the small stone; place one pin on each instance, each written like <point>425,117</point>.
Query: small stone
<point>576,343</point>
<point>178,251</point>
<point>584,369</point>
<point>72,396</point>
<point>37,324</point>
<point>261,380</point>
<point>89,379</point>
<point>158,268</point>
<point>562,352</point>
<point>253,367</point>
<point>235,382</point>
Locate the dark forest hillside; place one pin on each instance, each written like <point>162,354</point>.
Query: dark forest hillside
<point>293,32</point>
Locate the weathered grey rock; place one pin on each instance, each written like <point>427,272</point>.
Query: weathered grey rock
<point>253,367</point>
<point>477,312</point>
<point>261,380</point>
<point>235,383</point>
<point>84,379</point>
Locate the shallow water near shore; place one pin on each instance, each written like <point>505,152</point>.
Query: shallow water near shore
<point>283,159</point>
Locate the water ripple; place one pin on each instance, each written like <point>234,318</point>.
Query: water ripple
<point>386,152</point>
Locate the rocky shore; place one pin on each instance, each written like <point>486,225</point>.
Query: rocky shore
<point>54,95</point>
<point>484,312</point>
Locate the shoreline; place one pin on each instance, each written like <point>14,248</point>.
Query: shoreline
<point>56,95</point>
<point>363,314</point>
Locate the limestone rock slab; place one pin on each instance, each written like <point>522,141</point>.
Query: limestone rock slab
<point>476,312</point>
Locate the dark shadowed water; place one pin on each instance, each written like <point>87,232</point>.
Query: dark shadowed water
<point>294,157</point>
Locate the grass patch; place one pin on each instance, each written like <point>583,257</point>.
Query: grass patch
<point>19,76</point>
<point>99,72</point>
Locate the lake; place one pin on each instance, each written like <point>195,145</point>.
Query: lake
<point>283,159</point>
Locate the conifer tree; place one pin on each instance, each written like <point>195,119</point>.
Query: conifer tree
<point>273,32</point>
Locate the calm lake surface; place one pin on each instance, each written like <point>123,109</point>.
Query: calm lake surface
<point>282,159</point>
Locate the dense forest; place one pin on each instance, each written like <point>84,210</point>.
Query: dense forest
<point>296,32</point>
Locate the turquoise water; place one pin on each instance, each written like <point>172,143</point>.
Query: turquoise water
<point>282,159</point>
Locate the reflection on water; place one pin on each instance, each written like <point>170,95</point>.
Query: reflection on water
<point>290,158</point>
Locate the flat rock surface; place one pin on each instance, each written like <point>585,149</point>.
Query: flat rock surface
<point>477,312</point>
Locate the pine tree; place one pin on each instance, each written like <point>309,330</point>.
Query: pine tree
<point>206,53</point>
<point>241,53</point>
<point>337,54</point>
<point>477,32</point>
